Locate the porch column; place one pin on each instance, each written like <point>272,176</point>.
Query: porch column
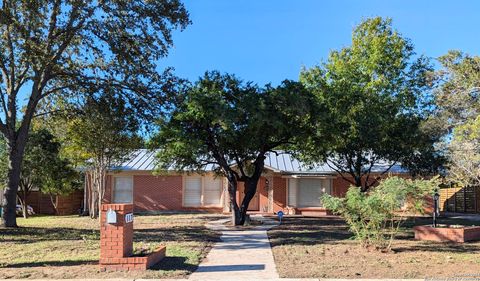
<point>270,193</point>
<point>226,197</point>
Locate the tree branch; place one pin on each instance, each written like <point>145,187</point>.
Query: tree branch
<point>339,171</point>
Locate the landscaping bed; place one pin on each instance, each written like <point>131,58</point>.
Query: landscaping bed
<point>69,247</point>
<point>324,248</point>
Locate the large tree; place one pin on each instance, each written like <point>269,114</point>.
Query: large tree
<point>72,47</point>
<point>231,125</point>
<point>104,131</point>
<point>458,111</point>
<point>374,92</point>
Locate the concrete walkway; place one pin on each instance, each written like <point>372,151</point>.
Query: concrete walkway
<point>241,255</point>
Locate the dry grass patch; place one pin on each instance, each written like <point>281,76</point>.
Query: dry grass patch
<point>68,247</point>
<point>324,248</point>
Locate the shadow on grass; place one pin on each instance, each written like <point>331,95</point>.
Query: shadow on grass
<point>309,231</point>
<point>174,264</point>
<point>176,234</point>
<point>50,263</point>
<point>439,247</point>
<point>37,234</point>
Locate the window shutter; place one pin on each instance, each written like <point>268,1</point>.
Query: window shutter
<point>192,196</point>
<point>123,190</point>
<point>212,191</point>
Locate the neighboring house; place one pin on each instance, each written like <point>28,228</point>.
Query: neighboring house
<point>285,185</point>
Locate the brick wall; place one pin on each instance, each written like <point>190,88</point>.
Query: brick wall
<point>279,194</point>
<point>340,187</point>
<point>157,192</point>
<point>116,240</point>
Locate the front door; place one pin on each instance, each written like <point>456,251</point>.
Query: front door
<point>254,203</point>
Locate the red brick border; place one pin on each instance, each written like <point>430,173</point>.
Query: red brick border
<point>116,242</point>
<point>133,263</point>
<point>447,234</point>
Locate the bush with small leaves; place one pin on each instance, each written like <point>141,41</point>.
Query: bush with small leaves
<point>375,217</point>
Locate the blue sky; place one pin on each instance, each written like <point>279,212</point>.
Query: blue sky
<point>270,40</point>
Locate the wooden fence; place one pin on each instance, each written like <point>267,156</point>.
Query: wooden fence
<point>460,199</point>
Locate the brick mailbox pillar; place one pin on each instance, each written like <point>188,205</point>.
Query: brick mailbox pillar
<point>116,240</point>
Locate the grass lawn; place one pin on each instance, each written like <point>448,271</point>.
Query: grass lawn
<point>323,248</point>
<point>69,246</point>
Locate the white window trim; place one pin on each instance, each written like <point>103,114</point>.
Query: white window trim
<point>202,204</point>
<point>114,177</point>
<point>330,181</point>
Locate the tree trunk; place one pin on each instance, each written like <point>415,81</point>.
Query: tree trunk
<point>239,214</point>
<point>25,204</point>
<point>54,203</point>
<point>97,189</point>
<point>232,191</point>
<point>9,217</point>
<point>86,194</point>
<point>250,190</point>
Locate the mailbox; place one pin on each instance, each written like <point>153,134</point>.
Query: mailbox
<point>280,216</point>
<point>111,216</point>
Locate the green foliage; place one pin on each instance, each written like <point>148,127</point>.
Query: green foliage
<point>78,48</point>
<point>231,126</point>
<point>222,121</point>
<point>457,94</point>
<point>375,94</point>
<point>375,217</point>
<point>44,167</point>
<point>464,153</point>
<point>103,129</point>
<point>458,111</point>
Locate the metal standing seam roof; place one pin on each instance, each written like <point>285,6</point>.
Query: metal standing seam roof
<point>281,162</point>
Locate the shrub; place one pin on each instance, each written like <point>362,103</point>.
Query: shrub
<point>375,217</point>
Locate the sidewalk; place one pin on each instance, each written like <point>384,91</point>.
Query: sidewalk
<point>242,254</point>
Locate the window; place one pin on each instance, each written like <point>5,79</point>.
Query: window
<point>202,191</point>
<point>212,191</point>
<point>193,192</point>
<point>307,192</point>
<point>123,190</point>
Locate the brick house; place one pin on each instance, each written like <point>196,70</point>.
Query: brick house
<point>285,185</point>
